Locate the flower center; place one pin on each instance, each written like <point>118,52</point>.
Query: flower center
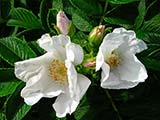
<point>113,59</point>
<point>58,71</point>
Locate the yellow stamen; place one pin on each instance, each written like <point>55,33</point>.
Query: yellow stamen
<point>113,59</point>
<point>58,71</point>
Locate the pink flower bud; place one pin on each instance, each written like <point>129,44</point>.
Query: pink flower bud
<point>96,35</point>
<point>90,64</point>
<point>63,22</point>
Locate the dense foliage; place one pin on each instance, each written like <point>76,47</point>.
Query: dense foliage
<point>22,22</point>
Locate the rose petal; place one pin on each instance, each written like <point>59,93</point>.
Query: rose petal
<point>99,60</point>
<point>136,46</point>
<point>25,69</point>
<point>72,77</point>
<point>131,69</point>
<point>40,85</point>
<point>46,42</point>
<point>105,72</point>
<point>119,30</point>
<point>59,43</point>
<point>82,85</point>
<point>74,53</point>
<point>114,82</point>
<point>64,104</point>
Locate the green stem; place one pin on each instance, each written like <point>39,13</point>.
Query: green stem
<point>22,32</point>
<point>105,9</point>
<point>111,10</point>
<point>15,31</point>
<point>113,104</point>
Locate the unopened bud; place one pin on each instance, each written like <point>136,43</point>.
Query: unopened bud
<point>90,64</point>
<point>96,35</point>
<point>63,23</point>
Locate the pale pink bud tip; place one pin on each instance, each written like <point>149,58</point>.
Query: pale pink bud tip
<point>63,22</point>
<point>97,34</point>
<point>90,64</point>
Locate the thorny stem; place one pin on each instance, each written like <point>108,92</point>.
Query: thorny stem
<point>113,104</point>
<point>105,8</point>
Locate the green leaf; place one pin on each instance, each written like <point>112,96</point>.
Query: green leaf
<point>122,1</point>
<point>91,7</point>
<point>142,12</point>
<point>82,109</point>
<point>8,82</point>
<point>57,5</point>
<point>68,7</point>
<point>61,118</point>
<point>152,25</point>
<point>44,8</point>
<point>81,21</point>
<point>118,21</point>
<point>153,37</point>
<point>153,51</point>
<point>2,116</point>
<point>80,112</point>
<point>81,39</point>
<point>37,49</point>
<point>24,18</point>
<point>13,49</point>
<point>8,87</point>
<point>151,63</point>
<point>51,19</point>
<point>16,109</point>
<point>22,112</point>
<point>147,36</point>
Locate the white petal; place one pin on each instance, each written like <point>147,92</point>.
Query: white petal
<point>40,85</point>
<point>59,43</point>
<point>72,77</point>
<point>122,31</point>
<point>99,60</point>
<point>64,104</point>
<point>31,92</point>
<point>33,98</point>
<point>131,69</point>
<point>54,44</point>
<point>48,86</point>
<point>27,68</point>
<point>130,33</point>
<point>74,53</point>
<point>136,46</point>
<point>46,42</point>
<point>105,72</point>
<point>114,82</point>
<point>119,30</point>
<point>83,84</point>
<point>111,42</point>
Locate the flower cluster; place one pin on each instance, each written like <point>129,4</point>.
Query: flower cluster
<point>54,73</point>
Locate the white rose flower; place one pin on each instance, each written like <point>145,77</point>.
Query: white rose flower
<point>53,74</point>
<point>120,67</point>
